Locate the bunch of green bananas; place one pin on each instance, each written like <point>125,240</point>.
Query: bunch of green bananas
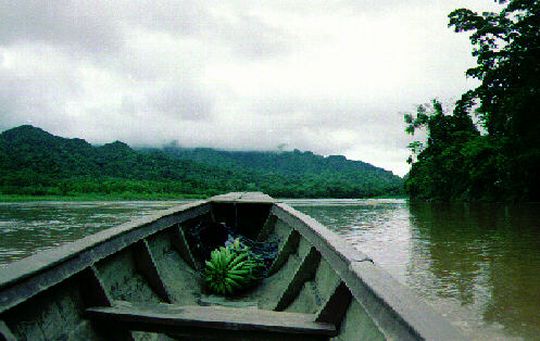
<point>230,269</point>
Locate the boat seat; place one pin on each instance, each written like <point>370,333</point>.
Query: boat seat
<point>209,322</point>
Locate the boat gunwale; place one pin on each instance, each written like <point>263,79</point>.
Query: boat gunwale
<point>371,285</point>
<point>82,253</point>
<point>243,198</point>
<point>402,312</point>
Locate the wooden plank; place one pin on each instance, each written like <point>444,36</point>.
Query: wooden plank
<point>180,243</point>
<point>160,317</point>
<point>93,289</point>
<point>146,264</point>
<point>397,311</point>
<point>305,272</point>
<point>228,197</point>
<point>5,332</point>
<point>94,293</point>
<point>336,306</point>
<point>251,197</point>
<point>24,279</point>
<point>288,247</point>
<point>332,246</point>
<point>256,197</point>
<point>267,228</point>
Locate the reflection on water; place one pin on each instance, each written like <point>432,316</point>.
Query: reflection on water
<point>30,227</point>
<point>476,264</point>
<point>486,257</point>
<point>379,228</point>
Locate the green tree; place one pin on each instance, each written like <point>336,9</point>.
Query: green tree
<point>456,162</point>
<point>507,48</point>
<point>438,171</point>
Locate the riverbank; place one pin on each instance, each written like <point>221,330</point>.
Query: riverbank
<point>101,197</point>
<point>130,197</point>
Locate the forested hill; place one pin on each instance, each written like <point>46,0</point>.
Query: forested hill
<point>305,172</point>
<point>288,163</point>
<point>34,162</point>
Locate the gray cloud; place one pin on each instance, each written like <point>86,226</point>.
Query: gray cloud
<point>37,94</point>
<point>253,38</point>
<point>246,34</point>
<point>182,102</point>
<point>328,76</point>
<point>75,25</point>
<point>98,27</point>
<point>184,17</point>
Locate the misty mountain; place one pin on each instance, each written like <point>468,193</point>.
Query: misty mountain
<point>33,161</point>
<point>306,167</point>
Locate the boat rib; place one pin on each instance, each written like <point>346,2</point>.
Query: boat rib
<point>141,280</point>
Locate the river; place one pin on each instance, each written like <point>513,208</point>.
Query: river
<point>478,265</point>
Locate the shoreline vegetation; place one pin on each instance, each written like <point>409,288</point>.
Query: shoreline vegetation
<point>486,147</point>
<point>14,198</point>
<point>36,165</point>
<point>8,198</point>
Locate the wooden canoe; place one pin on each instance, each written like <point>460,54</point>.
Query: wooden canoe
<point>139,280</point>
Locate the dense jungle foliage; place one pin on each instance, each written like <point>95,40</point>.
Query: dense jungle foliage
<point>500,158</point>
<point>34,162</point>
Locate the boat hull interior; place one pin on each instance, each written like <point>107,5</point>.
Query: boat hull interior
<point>141,281</point>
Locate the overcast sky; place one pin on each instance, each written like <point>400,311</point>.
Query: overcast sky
<point>333,77</point>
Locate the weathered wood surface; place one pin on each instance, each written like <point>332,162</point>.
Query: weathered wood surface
<point>147,266</point>
<point>336,306</point>
<point>180,242</point>
<point>306,270</point>
<point>94,291</point>
<point>151,317</point>
<point>246,197</point>
<point>5,332</point>
<point>396,309</point>
<point>23,279</point>
<point>289,246</point>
